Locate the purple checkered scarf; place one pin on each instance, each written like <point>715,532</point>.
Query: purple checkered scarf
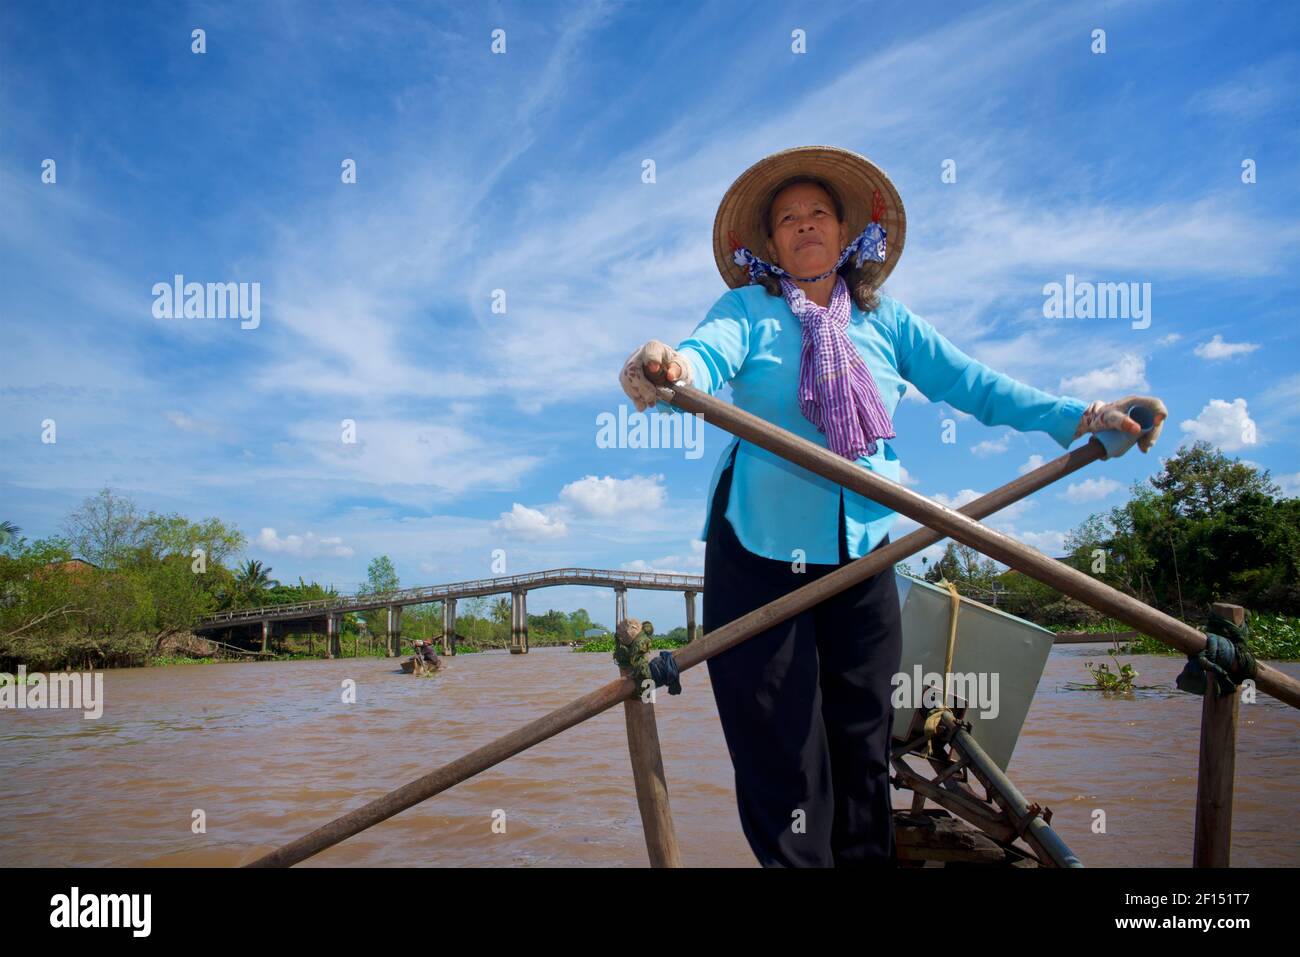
<point>836,391</point>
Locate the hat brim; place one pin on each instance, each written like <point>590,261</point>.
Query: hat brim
<point>855,178</point>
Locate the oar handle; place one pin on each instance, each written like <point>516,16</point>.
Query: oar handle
<point>961,527</point>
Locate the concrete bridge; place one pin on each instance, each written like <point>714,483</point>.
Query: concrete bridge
<point>331,611</point>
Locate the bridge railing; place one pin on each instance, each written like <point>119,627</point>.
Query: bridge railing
<point>478,586</point>
<point>1218,727</point>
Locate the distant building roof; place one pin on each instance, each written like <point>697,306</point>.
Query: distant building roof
<point>73,562</point>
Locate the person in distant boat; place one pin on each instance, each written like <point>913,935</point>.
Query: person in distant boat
<point>808,343</point>
<point>427,653</point>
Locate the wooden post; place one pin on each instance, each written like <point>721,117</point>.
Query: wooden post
<point>1212,844</point>
<point>394,636</point>
<point>514,623</point>
<point>620,607</point>
<point>651,785</point>
<point>266,635</point>
<point>448,625</point>
<point>332,635</point>
<point>523,622</point>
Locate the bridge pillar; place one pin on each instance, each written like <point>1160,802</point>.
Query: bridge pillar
<point>394,635</point>
<point>519,623</point>
<point>620,607</point>
<point>449,626</point>
<point>690,616</point>
<point>266,635</point>
<point>333,625</point>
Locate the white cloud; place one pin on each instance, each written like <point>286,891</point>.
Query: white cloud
<point>991,446</point>
<point>1050,543</point>
<point>1168,340</point>
<point>415,460</point>
<point>530,523</point>
<point>692,564</point>
<point>1227,425</point>
<point>1285,393</point>
<point>1216,348</point>
<point>309,545</point>
<point>964,497</point>
<point>1290,484</point>
<point>1090,490</point>
<point>1254,92</point>
<point>187,423</point>
<point>1126,375</point>
<point>905,477</point>
<point>607,497</point>
<point>1035,461</point>
<point>968,495</point>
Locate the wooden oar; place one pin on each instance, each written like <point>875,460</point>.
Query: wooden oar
<point>959,525</point>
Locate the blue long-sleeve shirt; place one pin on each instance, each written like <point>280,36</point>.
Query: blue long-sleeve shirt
<point>753,341</point>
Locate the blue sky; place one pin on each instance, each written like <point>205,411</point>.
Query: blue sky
<point>522,171</point>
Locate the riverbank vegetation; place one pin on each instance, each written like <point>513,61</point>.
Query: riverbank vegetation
<point>1206,528</point>
<point>120,588</point>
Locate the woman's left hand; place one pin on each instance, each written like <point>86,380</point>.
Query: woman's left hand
<point>1101,416</point>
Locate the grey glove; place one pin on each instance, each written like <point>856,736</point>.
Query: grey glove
<point>1101,416</point>
<point>653,357</point>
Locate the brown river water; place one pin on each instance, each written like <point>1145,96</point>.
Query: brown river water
<point>269,751</point>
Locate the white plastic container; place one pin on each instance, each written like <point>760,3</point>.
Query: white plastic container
<point>999,658</point>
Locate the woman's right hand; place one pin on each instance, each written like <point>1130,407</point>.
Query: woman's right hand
<point>653,357</point>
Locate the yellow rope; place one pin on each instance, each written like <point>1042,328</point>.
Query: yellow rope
<point>932,720</point>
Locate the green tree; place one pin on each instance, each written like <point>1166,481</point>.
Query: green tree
<point>580,622</point>
<point>251,582</point>
<point>1200,482</point>
<point>500,612</point>
<point>381,577</point>
<point>165,535</point>
<point>962,564</point>
<point>105,528</point>
<point>1205,528</point>
<point>36,600</point>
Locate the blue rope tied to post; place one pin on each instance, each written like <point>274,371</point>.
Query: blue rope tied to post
<point>1225,656</point>
<point>664,672</point>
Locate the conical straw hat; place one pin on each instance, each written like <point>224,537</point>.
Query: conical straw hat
<point>857,180</point>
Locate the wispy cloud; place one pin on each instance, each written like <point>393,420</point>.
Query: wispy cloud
<point>1216,348</point>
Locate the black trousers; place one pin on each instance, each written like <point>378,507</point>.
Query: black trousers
<point>805,706</point>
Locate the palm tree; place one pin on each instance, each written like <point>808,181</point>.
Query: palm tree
<point>254,577</point>
<point>8,530</point>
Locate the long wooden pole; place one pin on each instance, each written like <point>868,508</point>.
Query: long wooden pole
<point>963,528</point>
<point>688,656</point>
